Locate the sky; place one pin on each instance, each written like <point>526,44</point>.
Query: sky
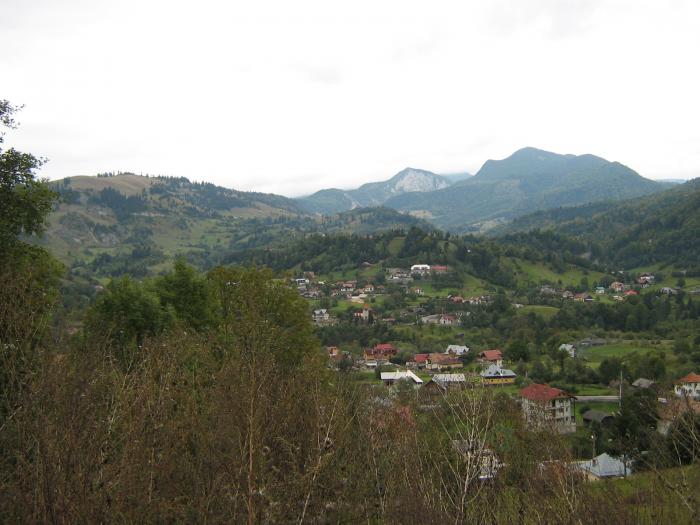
<point>294,96</point>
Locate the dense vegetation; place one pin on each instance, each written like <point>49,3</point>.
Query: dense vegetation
<point>660,228</point>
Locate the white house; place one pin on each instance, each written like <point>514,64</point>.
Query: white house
<point>457,350</point>
<point>389,378</point>
<point>688,386</point>
<point>569,349</point>
<point>420,268</point>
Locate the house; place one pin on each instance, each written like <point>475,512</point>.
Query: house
<point>643,383</point>
<point>456,299</point>
<point>457,350</point>
<point>333,352</point>
<point>547,407</point>
<point>439,269</point>
<point>583,297</point>
<point>381,352</point>
<point>669,291</point>
<point>441,362</point>
<point>364,315</point>
<point>302,281</point>
<point>568,348</point>
<point>441,383</point>
<point>430,319</point>
<point>547,290</point>
<point>321,316</point>
<point>596,416</point>
<point>604,467</point>
<point>482,461</point>
<point>421,269</point>
<point>419,361</point>
<point>688,386</point>
<point>566,294</point>
<point>495,375</point>
<point>447,320</point>
<point>390,378</point>
<point>645,279</point>
<point>630,293</point>
<point>416,290</point>
<point>369,288</point>
<point>617,286</point>
<point>600,290</point>
<point>673,410</point>
<point>492,357</point>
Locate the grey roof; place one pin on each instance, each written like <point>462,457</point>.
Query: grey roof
<point>606,466</point>
<point>596,415</point>
<point>457,349</point>
<point>643,383</point>
<point>497,371</point>
<point>449,378</point>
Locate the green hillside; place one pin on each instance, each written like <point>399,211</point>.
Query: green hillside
<point>659,228</point>
<point>111,225</point>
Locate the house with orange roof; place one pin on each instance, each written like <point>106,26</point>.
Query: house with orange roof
<point>494,357</point>
<point>688,386</point>
<point>548,407</point>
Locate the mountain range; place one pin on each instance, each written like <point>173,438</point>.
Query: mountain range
<point>408,180</point>
<point>528,180</point>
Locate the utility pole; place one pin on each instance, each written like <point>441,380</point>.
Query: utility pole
<point>620,396</point>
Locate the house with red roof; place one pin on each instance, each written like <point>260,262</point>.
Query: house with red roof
<point>438,268</point>
<point>442,361</point>
<point>419,361</point>
<point>688,386</point>
<point>548,407</point>
<point>494,357</point>
<point>380,352</point>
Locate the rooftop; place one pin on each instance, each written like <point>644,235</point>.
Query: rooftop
<point>537,392</point>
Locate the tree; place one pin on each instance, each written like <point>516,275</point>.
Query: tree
<point>29,275</point>
<point>25,202</point>
<point>124,315</point>
<point>188,294</point>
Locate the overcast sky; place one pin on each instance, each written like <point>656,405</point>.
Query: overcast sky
<point>293,96</point>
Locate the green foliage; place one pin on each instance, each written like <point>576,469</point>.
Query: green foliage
<point>124,315</point>
<point>258,314</point>
<point>187,294</point>
<point>24,201</point>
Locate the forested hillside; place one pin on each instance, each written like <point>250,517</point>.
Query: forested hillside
<point>115,224</point>
<point>660,228</point>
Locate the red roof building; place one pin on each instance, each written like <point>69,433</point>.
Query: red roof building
<point>492,356</point>
<point>543,393</point>
<point>383,351</point>
<point>688,386</point>
<point>420,358</point>
<point>548,408</point>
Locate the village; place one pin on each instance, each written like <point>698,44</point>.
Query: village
<point>459,368</point>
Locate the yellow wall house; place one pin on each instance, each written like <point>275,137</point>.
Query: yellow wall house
<point>495,375</point>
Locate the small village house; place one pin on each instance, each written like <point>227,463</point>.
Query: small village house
<point>491,357</point>
<point>604,466</point>
<point>495,375</point>
<point>391,378</point>
<point>547,407</point>
<point>457,350</point>
<point>442,362</point>
<point>442,383</point>
<point>688,386</point>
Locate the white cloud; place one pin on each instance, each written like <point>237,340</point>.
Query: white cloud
<point>294,96</point>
